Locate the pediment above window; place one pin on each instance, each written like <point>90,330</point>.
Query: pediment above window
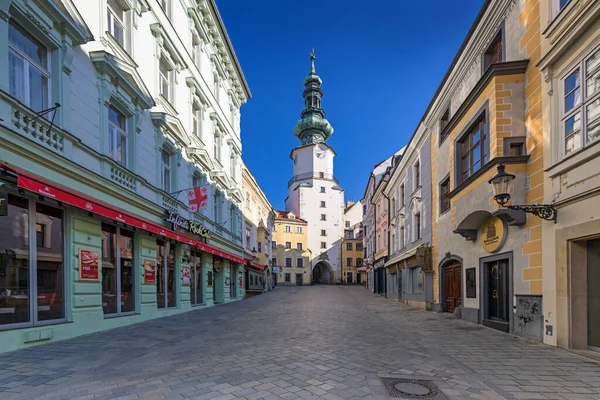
<point>234,145</point>
<point>218,67</point>
<point>164,42</point>
<point>196,92</point>
<point>197,23</point>
<point>220,177</point>
<point>201,156</point>
<point>123,76</point>
<point>171,127</point>
<point>236,194</point>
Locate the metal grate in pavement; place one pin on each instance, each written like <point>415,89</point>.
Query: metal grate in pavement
<point>414,389</point>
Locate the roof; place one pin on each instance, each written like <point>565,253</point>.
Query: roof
<point>285,216</point>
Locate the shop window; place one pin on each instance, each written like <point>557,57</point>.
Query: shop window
<point>473,149</point>
<point>288,245</point>
<point>117,136</point>
<point>445,195</point>
<point>416,280</point>
<point>118,288</point>
<point>18,294</point>
<point>196,285</point>
<point>494,53</point>
<point>165,274</point>
<point>288,277</point>
<point>29,68</point>
<point>471,284</point>
<point>300,263</point>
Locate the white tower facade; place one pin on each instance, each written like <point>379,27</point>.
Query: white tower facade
<point>313,192</point>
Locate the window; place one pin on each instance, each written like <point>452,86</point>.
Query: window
<point>165,168</point>
<point>322,204</point>
<point>393,243</point>
<point>233,165</point>
<point>443,124</point>
<point>349,246</point>
<point>287,277</point>
<point>323,232</point>
<point>164,76</point>
<point>378,209</point>
<point>323,217</point>
<point>563,3</point>
<point>115,21</point>
<point>347,224</point>
<point>393,206</point>
<point>494,52</point>
<point>385,206</point>
<point>473,149</point>
<point>416,280</point>
<point>273,261</point>
<point>384,237</point>
<point>216,91</point>
<point>402,237</point>
<point>299,245</point>
<point>298,229</point>
<point>18,292</point>
<point>288,228</point>
<point>322,189</point>
<point>166,6</point>
<point>418,226</point>
<point>402,197</point>
<point>378,241</point>
<point>349,261</point>
<point>445,195</point>
<point>323,245</point>
<point>348,234</point>
<point>359,262</point>
<point>117,136</point>
<point>288,245</point>
<point>288,263</point>
<point>581,105</point>
<point>217,145</point>
<point>322,175</point>
<point>274,244</point>
<point>274,228</point>
<point>217,206</point>
<point>197,278</point>
<point>118,288</point>
<point>417,175</point>
<point>197,121</point>
<point>359,246</point>
<point>248,237</point>
<point>259,247</point>
<point>299,262</point>
<point>28,66</point>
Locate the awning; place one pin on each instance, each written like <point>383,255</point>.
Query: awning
<point>402,256</point>
<point>362,268</point>
<point>52,191</point>
<point>255,265</point>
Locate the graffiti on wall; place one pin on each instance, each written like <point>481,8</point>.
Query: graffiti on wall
<point>529,317</point>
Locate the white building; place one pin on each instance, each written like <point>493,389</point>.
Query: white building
<point>313,193</point>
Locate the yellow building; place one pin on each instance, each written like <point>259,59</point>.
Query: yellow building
<point>352,258</point>
<point>291,257</point>
<point>258,224</point>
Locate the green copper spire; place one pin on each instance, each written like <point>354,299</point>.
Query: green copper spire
<point>313,127</point>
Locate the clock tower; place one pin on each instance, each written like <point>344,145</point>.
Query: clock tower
<point>313,192</point>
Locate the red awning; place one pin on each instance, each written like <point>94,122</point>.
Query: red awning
<point>74,199</point>
<point>255,265</point>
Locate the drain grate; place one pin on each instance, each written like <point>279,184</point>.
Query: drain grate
<point>415,389</point>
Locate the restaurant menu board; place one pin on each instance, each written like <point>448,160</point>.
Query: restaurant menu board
<point>149,271</point>
<point>89,268</point>
<point>186,274</point>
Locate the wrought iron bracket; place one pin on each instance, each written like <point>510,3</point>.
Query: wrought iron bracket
<point>44,112</point>
<point>544,211</point>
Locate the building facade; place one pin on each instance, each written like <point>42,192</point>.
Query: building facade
<point>291,255</point>
<point>352,244</point>
<point>258,226</point>
<point>381,204</point>
<point>409,194</point>
<point>110,112</point>
<point>314,192</point>
<point>570,86</point>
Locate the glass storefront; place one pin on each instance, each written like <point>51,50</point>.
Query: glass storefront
<point>117,270</point>
<point>31,263</point>
<point>165,274</point>
<point>196,281</point>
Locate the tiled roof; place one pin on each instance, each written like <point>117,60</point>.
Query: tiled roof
<point>285,215</point>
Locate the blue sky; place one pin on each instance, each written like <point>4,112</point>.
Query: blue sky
<point>381,62</point>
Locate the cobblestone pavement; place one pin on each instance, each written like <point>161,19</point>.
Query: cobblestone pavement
<point>326,342</point>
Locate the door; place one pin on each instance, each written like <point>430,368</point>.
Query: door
<point>497,290</point>
<point>358,278</point>
<point>298,279</point>
<point>348,277</point>
<point>593,293</point>
<point>453,286</point>
<point>232,281</point>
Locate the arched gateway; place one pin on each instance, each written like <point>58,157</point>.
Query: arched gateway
<point>322,273</point>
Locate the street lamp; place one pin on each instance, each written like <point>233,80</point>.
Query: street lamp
<point>502,183</point>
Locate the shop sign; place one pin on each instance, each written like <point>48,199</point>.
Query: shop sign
<point>276,270</point>
<point>186,275</point>
<point>177,221</point>
<point>217,264</point>
<point>380,263</point>
<point>493,234</point>
<point>149,271</point>
<point>89,269</point>
<point>3,204</point>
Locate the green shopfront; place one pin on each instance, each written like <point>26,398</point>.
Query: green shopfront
<point>71,264</point>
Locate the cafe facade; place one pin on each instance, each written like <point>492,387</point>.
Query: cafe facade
<point>95,229</point>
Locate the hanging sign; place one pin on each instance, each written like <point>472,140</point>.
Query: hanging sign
<point>149,271</point>
<point>177,221</point>
<point>493,234</point>
<point>89,268</point>
<point>186,275</point>
<point>217,264</point>
<point>3,204</point>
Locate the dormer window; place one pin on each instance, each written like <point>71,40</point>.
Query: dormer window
<point>494,52</point>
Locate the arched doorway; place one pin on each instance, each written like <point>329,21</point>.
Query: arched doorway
<point>451,276</point>
<point>323,273</point>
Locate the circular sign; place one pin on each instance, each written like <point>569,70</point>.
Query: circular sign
<point>493,234</point>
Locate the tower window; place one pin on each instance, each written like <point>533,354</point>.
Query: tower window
<point>322,189</point>
<point>323,217</point>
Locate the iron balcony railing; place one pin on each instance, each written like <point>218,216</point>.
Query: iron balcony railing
<point>309,175</point>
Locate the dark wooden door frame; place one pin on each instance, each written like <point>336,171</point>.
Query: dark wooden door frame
<point>450,259</point>
<point>483,286</point>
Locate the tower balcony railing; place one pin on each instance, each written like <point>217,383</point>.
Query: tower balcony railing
<point>309,175</point>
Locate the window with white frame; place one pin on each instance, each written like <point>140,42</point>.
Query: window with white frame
<point>217,146</point>
<point>233,165</point>
<point>166,6</point>
<point>117,136</point>
<point>197,114</point>
<point>298,229</point>
<point>216,89</point>
<point>581,104</point>
<point>196,53</point>
<point>28,68</point>
<point>165,76</point>
<point>115,18</point>
<point>417,225</point>
<point>402,237</point>
<point>417,175</point>
<point>217,206</point>
<point>165,171</point>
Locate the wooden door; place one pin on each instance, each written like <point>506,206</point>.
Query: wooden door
<point>453,286</point>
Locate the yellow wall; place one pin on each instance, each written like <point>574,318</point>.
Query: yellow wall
<point>354,254</point>
<point>281,253</point>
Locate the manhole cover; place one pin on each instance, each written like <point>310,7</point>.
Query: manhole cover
<point>413,389</point>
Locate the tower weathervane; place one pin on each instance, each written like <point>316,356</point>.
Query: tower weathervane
<point>312,61</point>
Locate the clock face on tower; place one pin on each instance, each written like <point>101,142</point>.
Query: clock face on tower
<point>320,154</point>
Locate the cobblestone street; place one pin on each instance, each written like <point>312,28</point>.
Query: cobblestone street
<point>315,342</point>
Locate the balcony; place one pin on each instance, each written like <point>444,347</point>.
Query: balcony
<point>306,176</point>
